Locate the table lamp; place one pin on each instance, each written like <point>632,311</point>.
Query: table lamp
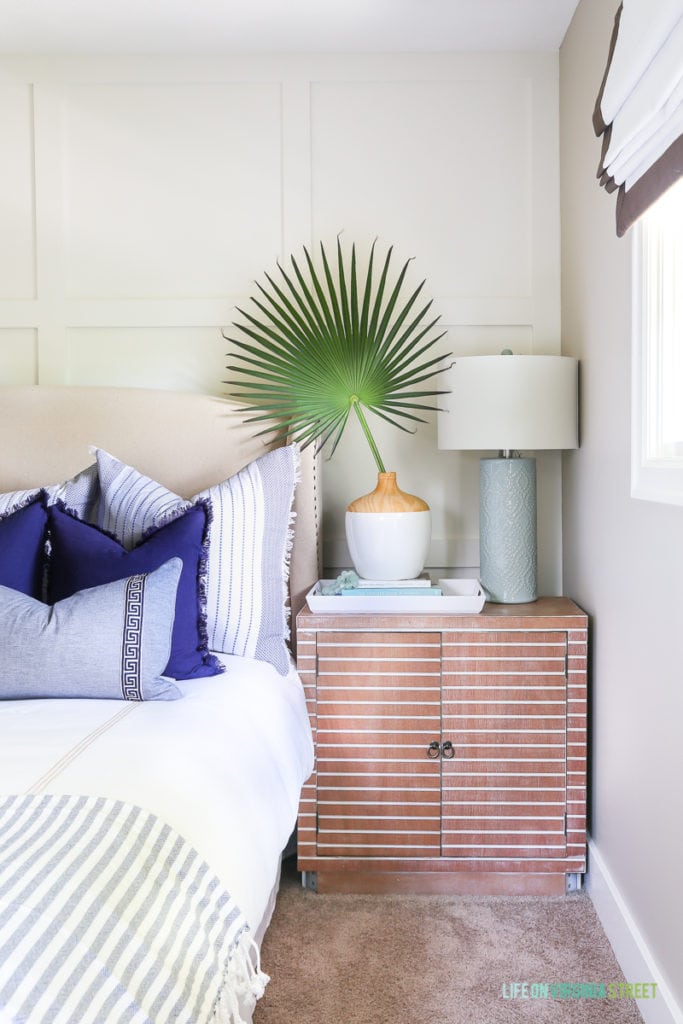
<point>511,403</point>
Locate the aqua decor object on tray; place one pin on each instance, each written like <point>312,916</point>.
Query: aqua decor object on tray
<point>322,344</point>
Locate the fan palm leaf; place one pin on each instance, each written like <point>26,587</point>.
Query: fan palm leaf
<point>321,343</point>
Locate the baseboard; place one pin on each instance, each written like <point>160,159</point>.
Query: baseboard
<point>627,941</point>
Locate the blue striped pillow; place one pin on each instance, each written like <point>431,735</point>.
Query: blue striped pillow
<point>249,545</point>
<point>79,495</point>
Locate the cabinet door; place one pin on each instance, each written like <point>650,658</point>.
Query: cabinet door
<point>378,711</point>
<point>505,711</point>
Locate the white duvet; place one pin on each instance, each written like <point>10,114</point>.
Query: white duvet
<point>223,766</point>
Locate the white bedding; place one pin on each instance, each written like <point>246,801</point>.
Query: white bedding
<point>223,766</point>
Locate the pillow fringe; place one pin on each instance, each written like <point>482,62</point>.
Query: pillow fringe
<point>203,588</point>
<point>63,507</point>
<point>289,543</point>
<point>168,517</point>
<point>40,494</point>
<point>208,659</point>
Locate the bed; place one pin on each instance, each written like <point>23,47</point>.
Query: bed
<point>153,731</point>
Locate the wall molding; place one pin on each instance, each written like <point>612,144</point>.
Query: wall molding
<point>628,942</point>
<point>151,194</point>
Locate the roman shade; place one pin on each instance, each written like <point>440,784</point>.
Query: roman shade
<point>639,109</point>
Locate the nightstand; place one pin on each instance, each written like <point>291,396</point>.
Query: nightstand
<point>450,750</point>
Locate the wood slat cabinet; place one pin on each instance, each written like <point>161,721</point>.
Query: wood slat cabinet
<point>450,750</point>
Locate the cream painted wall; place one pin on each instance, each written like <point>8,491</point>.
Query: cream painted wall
<point>142,197</point>
<point>623,558</point>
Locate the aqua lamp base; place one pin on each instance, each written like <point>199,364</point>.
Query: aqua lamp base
<point>507,529</point>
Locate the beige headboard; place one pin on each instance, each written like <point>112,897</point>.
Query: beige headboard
<point>186,441</point>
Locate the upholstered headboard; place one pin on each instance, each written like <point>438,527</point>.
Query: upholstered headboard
<point>186,441</point>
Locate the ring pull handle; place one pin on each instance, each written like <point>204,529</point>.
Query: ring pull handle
<point>448,750</point>
<point>433,750</point>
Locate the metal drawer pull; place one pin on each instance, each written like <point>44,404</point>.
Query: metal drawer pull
<point>446,750</point>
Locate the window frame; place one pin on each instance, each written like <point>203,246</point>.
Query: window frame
<point>655,476</point>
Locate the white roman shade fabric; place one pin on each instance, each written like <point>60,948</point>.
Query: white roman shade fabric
<point>639,110</point>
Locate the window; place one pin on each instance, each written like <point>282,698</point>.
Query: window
<point>657,415</point>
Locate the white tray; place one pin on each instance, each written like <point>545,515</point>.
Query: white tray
<point>459,596</point>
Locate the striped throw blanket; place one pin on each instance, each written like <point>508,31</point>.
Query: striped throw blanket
<point>107,915</point>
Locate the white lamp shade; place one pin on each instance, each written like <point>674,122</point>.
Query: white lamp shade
<point>505,402</point>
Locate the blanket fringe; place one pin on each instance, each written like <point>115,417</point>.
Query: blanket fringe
<point>244,983</point>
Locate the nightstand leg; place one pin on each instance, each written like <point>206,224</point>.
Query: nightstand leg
<point>309,880</point>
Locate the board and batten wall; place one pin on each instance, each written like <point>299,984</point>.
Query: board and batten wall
<point>623,563</point>
<point>142,197</point>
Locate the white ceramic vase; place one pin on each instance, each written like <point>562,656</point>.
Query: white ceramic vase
<point>388,532</point>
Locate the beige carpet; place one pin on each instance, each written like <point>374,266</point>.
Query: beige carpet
<point>433,959</point>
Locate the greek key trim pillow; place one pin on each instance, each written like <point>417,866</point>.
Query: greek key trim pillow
<point>111,641</point>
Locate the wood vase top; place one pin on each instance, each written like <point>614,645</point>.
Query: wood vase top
<point>388,497</point>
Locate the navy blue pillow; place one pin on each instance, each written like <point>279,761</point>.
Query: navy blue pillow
<point>84,556</point>
<point>22,543</point>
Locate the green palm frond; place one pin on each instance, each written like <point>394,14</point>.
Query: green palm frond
<point>320,343</point>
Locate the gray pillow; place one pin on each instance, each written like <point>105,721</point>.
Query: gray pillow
<point>111,641</point>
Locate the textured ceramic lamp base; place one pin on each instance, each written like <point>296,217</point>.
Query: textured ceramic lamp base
<point>507,529</point>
